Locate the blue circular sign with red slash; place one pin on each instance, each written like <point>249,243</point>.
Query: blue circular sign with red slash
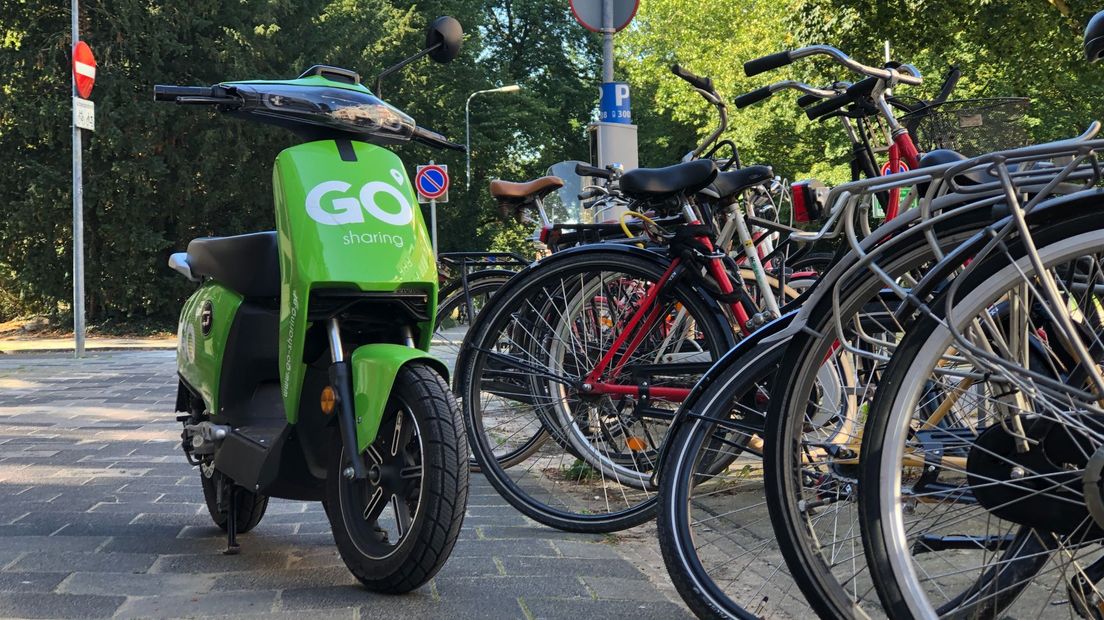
<point>432,181</point>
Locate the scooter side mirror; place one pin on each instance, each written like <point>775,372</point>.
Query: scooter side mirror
<point>444,36</point>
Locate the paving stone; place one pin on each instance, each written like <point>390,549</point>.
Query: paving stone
<point>31,582</point>
<point>51,543</point>
<point>536,567</point>
<point>40,605</point>
<point>499,548</point>
<point>218,563</point>
<point>576,549</point>
<point>176,605</point>
<point>139,584</point>
<point>67,562</point>
<point>284,578</point>
<point>618,588</point>
<point>331,597</point>
<point>540,608</point>
<point>476,588</point>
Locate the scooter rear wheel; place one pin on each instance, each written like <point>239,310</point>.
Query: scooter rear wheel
<point>396,529</point>
<point>251,506</point>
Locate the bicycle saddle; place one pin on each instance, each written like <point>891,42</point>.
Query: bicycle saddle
<point>735,181</point>
<point>650,183</point>
<point>520,192</point>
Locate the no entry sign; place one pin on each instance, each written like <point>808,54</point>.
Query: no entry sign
<point>589,13</point>
<point>84,68</point>
<point>432,182</point>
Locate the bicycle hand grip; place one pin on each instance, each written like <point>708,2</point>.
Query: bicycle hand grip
<point>766,63</point>
<point>805,101</point>
<point>856,90</point>
<point>828,106</point>
<point>163,92</point>
<point>584,170</point>
<point>754,96</point>
<point>696,81</point>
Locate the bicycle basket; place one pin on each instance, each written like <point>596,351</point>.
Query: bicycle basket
<point>970,126</point>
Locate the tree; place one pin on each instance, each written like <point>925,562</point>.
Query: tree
<point>159,175</point>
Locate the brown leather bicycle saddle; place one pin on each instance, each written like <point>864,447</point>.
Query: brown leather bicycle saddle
<point>535,189</point>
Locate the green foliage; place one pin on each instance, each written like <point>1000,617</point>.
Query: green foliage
<point>714,39</point>
<point>1026,48</point>
<point>158,175</point>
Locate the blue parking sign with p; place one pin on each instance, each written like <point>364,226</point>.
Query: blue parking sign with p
<point>613,103</point>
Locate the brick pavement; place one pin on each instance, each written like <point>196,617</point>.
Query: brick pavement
<point>101,516</point>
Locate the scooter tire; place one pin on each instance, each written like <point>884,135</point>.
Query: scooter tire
<point>422,549</point>
<point>251,506</point>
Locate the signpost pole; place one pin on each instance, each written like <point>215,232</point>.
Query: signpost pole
<point>433,224</point>
<point>607,40</point>
<point>433,220</point>
<point>78,215</point>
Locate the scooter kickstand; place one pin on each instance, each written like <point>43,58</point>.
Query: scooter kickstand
<point>232,547</point>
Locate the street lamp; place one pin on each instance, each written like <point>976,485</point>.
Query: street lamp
<point>512,88</point>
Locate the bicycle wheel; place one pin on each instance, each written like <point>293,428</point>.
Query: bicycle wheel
<point>984,489</point>
<point>812,442</point>
<point>455,309</point>
<point>713,525</point>
<point>529,364</point>
<point>454,319</point>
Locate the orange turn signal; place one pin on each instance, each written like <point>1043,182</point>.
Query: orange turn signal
<point>329,399</point>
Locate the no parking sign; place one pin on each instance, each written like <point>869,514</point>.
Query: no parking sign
<point>432,183</point>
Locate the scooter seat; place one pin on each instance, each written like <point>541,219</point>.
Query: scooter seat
<point>248,264</point>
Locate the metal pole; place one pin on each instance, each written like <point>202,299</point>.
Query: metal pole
<point>78,212</point>
<point>607,40</point>
<point>433,224</point>
<point>433,220</point>
<point>467,139</point>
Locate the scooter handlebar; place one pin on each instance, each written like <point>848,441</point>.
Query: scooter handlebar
<point>436,140</point>
<point>164,92</point>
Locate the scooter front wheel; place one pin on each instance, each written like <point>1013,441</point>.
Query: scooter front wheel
<point>395,529</point>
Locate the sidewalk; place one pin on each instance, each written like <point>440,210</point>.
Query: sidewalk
<point>102,517</point>
<point>95,343</point>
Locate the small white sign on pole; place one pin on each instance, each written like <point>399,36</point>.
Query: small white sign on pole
<point>84,114</point>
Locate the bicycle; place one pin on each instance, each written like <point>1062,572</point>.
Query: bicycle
<point>721,403</point>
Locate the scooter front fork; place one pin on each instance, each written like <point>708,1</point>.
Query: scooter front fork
<point>341,379</point>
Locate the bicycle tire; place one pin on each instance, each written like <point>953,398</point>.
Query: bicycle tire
<point>631,263</point>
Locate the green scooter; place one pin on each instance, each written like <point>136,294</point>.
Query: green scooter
<point>303,356</point>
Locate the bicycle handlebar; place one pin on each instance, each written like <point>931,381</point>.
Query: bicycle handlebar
<point>949,83</point>
<point>905,74</point>
<point>767,63</point>
<point>861,88</point>
<point>701,83</point>
<point>813,93</point>
<point>584,170</point>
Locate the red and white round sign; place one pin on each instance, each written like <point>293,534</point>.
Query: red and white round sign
<point>84,68</point>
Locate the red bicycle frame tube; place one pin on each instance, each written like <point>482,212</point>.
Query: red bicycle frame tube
<point>902,148</point>
<point>645,317</point>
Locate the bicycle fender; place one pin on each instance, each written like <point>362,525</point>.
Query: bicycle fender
<point>374,368</point>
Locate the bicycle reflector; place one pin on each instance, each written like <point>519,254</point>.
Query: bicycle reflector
<point>548,235</point>
<point>808,200</point>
